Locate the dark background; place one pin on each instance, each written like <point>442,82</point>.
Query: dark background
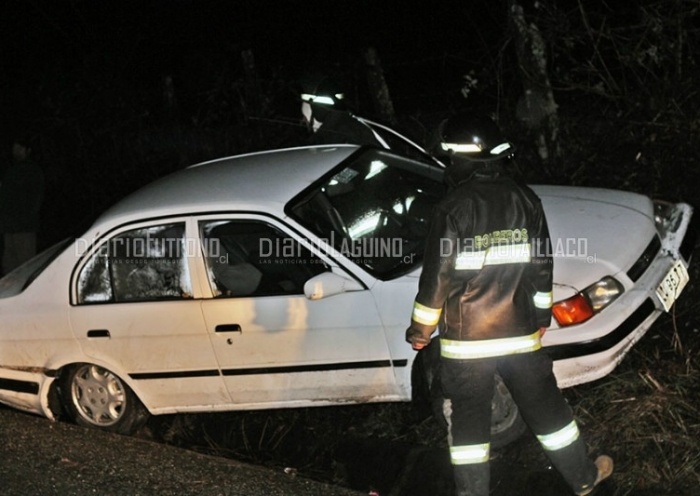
<point>116,93</point>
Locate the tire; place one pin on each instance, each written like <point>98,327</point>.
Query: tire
<point>94,397</point>
<point>506,423</point>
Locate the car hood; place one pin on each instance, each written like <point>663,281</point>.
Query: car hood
<point>595,232</point>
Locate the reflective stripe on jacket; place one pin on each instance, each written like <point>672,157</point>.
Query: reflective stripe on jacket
<point>485,348</point>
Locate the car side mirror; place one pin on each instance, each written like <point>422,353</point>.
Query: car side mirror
<point>329,284</point>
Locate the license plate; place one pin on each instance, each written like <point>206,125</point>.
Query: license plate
<point>672,285</point>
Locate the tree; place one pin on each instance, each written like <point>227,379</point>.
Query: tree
<point>536,107</point>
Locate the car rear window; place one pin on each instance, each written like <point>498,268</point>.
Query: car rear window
<point>144,264</point>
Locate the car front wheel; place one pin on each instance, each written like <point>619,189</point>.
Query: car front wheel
<point>97,398</point>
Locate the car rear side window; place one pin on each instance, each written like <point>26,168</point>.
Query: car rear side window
<point>252,258</point>
<point>140,265</point>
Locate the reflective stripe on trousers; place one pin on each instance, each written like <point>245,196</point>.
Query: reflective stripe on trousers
<point>470,454</point>
<point>561,438</point>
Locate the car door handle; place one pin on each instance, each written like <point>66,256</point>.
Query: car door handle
<point>228,328</point>
<point>98,333</point>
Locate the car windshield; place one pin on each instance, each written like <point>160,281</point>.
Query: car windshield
<point>374,209</point>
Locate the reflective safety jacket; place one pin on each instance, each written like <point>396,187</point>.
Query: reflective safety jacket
<point>487,270</point>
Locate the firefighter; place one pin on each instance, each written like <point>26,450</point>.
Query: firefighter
<point>486,283</point>
<point>327,115</point>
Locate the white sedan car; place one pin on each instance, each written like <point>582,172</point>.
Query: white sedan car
<point>287,278</point>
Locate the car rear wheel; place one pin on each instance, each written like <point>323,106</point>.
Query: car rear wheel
<point>97,398</point>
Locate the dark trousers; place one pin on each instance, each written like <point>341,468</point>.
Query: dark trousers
<point>468,387</point>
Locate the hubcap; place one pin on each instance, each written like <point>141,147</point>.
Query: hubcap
<point>503,409</point>
<point>98,395</point>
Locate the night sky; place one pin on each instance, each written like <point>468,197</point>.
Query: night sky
<point>86,79</point>
<point>52,48</point>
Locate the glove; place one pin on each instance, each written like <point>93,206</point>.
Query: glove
<point>416,338</point>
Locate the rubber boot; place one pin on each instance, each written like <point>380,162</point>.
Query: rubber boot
<point>573,464</point>
<point>472,479</point>
<point>604,464</point>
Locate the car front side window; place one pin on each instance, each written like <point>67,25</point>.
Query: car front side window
<point>139,265</point>
<point>252,258</point>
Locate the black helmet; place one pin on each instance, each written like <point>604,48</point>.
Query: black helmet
<point>472,137</point>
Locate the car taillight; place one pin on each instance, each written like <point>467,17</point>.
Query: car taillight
<point>572,311</point>
<point>588,302</point>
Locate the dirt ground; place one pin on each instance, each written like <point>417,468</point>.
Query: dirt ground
<point>40,457</point>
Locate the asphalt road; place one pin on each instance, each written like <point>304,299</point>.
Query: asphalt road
<point>44,458</point>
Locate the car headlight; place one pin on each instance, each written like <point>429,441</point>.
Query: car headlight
<point>666,217</point>
<point>587,303</point>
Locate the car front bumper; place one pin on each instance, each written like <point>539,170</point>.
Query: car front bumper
<point>579,361</point>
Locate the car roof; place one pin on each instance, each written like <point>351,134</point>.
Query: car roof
<point>255,181</point>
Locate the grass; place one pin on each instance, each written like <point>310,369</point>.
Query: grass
<point>645,414</point>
